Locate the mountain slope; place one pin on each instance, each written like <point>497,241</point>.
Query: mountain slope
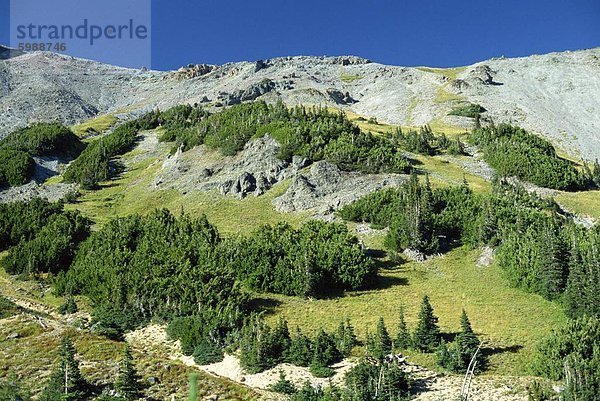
<point>556,95</point>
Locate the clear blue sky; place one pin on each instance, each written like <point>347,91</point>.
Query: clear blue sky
<point>401,32</point>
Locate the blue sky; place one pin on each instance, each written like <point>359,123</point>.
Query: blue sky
<point>401,32</point>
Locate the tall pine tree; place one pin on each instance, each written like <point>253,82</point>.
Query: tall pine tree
<point>300,351</point>
<point>127,385</point>
<point>345,337</point>
<point>403,338</point>
<point>466,341</point>
<point>382,341</point>
<point>427,333</point>
<point>66,382</point>
<point>552,274</point>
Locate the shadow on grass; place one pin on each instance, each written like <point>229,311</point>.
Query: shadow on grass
<point>449,337</point>
<point>376,253</point>
<point>486,352</point>
<point>489,351</point>
<point>385,282</point>
<point>267,306</point>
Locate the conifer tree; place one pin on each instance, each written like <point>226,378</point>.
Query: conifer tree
<point>458,355</point>
<point>299,353</point>
<point>345,337</point>
<point>427,333</point>
<point>581,296</point>
<point>466,342</point>
<point>207,352</point>
<point>325,353</point>
<point>370,344</point>
<point>70,306</point>
<point>383,341</point>
<point>552,266</point>
<point>279,340</point>
<point>66,382</point>
<point>403,338</point>
<point>443,355</point>
<point>127,385</point>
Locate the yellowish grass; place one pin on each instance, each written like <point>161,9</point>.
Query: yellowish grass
<point>349,78</point>
<point>443,96</point>
<point>451,73</point>
<point>585,203</point>
<point>133,193</point>
<point>99,124</point>
<point>509,321</point>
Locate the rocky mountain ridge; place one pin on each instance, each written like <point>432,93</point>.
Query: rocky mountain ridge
<point>556,95</point>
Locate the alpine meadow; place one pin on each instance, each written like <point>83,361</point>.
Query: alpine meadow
<point>307,228</point>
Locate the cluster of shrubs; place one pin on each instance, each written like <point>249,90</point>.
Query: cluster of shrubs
<point>378,375</point>
<point>427,338</point>
<point>366,381</point>
<point>42,236</point>
<point>43,139</point>
<point>470,110</point>
<point>540,248</point>
<point>572,354</point>
<point>159,266</point>
<point>67,383</point>
<point>96,162</point>
<point>418,217</point>
<point>314,260</point>
<point>7,308</point>
<point>315,133</point>
<point>425,142</point>
<point>512,151</point>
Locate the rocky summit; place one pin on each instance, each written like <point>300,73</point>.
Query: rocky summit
<point>553,95</point>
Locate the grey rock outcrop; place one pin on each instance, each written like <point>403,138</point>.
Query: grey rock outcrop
<point>325,189</point>
<point>340,97</point>
<point>253,92</point>
<point>253,171</point>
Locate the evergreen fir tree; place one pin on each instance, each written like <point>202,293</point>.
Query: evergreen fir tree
<point>207,352</point>
<point>427,333</point>
<point>345,337</point>
<point>279,341</point>
<point>370,345</point>
<point>383,341</point>
<point>127,385</point>
<point>70,306</point>
<point>552,267</point>
<point>254,355</point>
<point>299,353</point>
<point>458,355</point>
<point>66,382</point>
<point>443,355</point>
<point>325,353</point>
<point>581,296</point>
<point>466,342</point>
<point>403,338</point>
<point>283,385</point>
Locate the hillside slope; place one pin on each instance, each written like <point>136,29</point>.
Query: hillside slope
<point>556,95</point>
